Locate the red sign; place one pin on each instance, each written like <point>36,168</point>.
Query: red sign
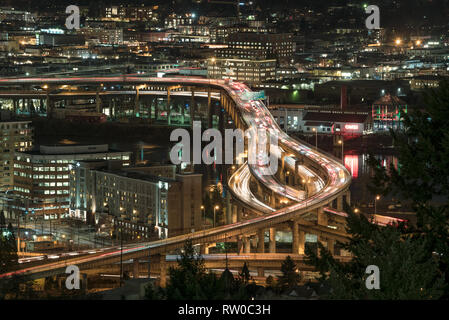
<point>351,127</point>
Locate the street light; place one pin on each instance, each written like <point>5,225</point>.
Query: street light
<point>342,143</point>
<point>204,216</point>
<point>215,210</point>
<point>316,137</point>
<point>375,203</point>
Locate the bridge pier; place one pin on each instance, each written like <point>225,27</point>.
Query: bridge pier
<point>136,102</point>
<point>301,241</point>
<point>331,245</point>
<point>239,213</point>
<point>204,249</point>
<point>168,107</point>
<point>340,203</point>
<point>136,268</point>
<point>321,217</point>
<point>246,245</point>
<point>163,268</point>
<point>98,101</point>
<point>240,244</point>
<point>295,237</point>
<point>261,241</point>
<point>348,197</point>
<point>272,240</point>
<point>209,109</point>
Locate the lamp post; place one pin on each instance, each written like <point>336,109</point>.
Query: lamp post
<point>215,210</point>
<point>375,203</point>
<point>342,143</point>
<point>204,216</point>
<point>316,137</point>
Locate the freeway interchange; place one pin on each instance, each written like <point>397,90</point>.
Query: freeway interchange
<point>324,185</point>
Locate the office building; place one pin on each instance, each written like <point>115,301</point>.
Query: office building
<point>244,70</point>
<point>147,202</point>
<point>41,178</point>
<point>15,136</point>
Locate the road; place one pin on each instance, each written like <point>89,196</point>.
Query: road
<point>255,115</point>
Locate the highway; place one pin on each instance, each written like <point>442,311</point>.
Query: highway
<point>254,114</point>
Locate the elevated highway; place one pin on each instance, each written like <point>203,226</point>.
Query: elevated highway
<point>326,179</point>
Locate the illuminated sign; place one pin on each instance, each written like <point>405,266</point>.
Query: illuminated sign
<point>351,127</point>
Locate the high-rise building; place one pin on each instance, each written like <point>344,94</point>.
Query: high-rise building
<point>244,70</point>
<point>15,136</point>
<point>150,202</point>
<point>41,178</point>
<point>247,45</point>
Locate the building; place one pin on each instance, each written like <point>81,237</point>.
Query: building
<point>16,136</point>
<point>427,81</point>
<point>147,202</point>
<point>52,39</point>
<point>132,13</point>
<point>337,122</point>
<point>323,120</point>
<point>41,178</point>
<point>244,70</point>
<point>387,112</point>
<point>277,46</point>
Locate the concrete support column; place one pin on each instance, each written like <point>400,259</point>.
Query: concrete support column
<point>228,208</point>
<point>136,268</point>
<point>136,102</point>
<point>239,245</point>
<point>168,107</point>
<point>331,246</point>
<point>321,217</point>
<point>260,272</point>
<point>272,240</point>
<point>163,275</point>
<point>340,203</point>
<point>192,107</point>
<point>348,197</point>
<point>261,241</point>
<point>98,102</point>
<point>239,214</point>
<point>247,245</point>
<point>84,282</point>
<point>49,106</point>
<point>295,237</point>
<point>204,249</point>
<point>301,241</point>
<point>234,213</point>
<point>209,110</point>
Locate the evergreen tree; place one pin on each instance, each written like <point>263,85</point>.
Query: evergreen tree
<point>244,275</point>
<point>407,269</point>
<point>423,171</point>
<point>2,220</point>
<point>8,250</point>
<point>290,277</point>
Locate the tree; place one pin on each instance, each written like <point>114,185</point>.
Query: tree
<point>2,220</point>
<point>190,281</point>
<point>290,277</point>
<point>423,171</point>
<point>8,250</point>
<point>244,275</point>
<point>407,269</point>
